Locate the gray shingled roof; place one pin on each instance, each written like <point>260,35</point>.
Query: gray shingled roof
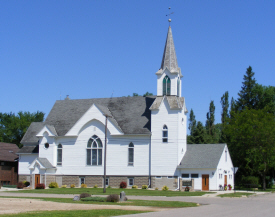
<point>130,114</point>
<point>174,102</point>
<point>29,149</point>
<point>169,59</point>
<point>202,156</point>
<point>45,162</point>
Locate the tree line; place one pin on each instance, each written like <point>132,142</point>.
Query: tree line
<point>247,126</point>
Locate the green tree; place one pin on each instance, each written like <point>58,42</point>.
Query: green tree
<point>264,97</point>
<point>252,142</point>
<point>199,134</point>
<point>210,123</point>
<point>13,127</point>
<point>224,116</point>
<point>246,95</point>
<point>148,94</point>
<point>192,127</point>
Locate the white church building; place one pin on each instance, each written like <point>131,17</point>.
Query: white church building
<point>146,141</point>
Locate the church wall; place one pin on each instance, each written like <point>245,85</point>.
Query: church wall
<point>24,162</point>
<point>225,167</point>
<point>164,155</point>
<point>170,182</point>
<point>47,152</point>
<point>182,135</point>
<point>173,78</point>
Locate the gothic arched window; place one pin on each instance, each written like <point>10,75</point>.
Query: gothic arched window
<point>59,154</point>
<point>166,86</point>
<point>131,154</point>
<point>165,134</point>
<point>94,151</point>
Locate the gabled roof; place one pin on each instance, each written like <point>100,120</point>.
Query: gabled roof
<point>8,152</point>
<point>130,114</point>
<point>202,156</point>
<point>29,149</point>
<point>44,162</point>
<point>174,102</point>
<point>169,58</point>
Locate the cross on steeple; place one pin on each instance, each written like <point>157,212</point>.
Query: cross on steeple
<point>170,13</point>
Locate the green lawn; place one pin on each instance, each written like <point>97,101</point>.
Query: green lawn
<point>237,194</point>
<point>82,213</point>
<point>99,191</point>
<point>164,204</point>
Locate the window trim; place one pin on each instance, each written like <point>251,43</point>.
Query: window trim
<point>108,181</point>
<point>131,178</point>
<point>59,148</point>
<point>131,146</point>
<point>185,174</point>
<point>194,175</point>
<point>99,146</point>
<point>165,137</point>
<point>166,86</point>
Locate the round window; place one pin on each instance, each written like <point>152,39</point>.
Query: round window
<point>46,145</point>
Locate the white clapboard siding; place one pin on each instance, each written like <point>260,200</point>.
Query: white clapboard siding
<point>24,162</point>
<point>173,79</point>
<point>165,156</point>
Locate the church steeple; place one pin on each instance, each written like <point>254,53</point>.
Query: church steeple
<point>169,74</point>
<point>169,58</point>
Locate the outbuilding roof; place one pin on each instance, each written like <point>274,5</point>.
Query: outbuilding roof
<point>202,156</point>
<point>8,152</point>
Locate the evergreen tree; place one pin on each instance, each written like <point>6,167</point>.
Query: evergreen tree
<point>199,134</point>
<point>210,123</point>
<point>225,117</point>
<point>191,127</point>
<point>246,95</point>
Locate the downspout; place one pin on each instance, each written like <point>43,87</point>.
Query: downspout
<point>150,181</point>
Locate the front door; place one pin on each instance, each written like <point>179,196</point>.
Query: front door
<point>205,182</point>
<point>225,179</point>
<point>37,179</point>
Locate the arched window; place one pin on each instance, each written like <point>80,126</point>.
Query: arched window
<point>166,86</point>
<point>178,87</point>
<point>94,151</point>
<point>165,134</point>
<point>131,154</point>
<point>59,154</point>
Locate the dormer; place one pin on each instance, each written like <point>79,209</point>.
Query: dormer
<point>169,74</point>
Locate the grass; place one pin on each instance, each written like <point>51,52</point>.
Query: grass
<point>153,203</point>
<point>99,191</point>
<point>82,213</point>
<point>237,194</point>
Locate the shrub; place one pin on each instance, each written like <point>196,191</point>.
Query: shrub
<point>144,186</point>
<point>95,186</point>
<point>250,181</point>
<point>187,188</point>
<point>53,185</point>
<point>64,186</point>
<point>84,195</point>
<point>109,186</point>
<point>96,199</point>
<point>20,185</point>
<point>135,186</point>
<point>123,185</point>
<point>40,186</point>
<point>112,198</point>
<point>165,188</point>
<point>156,189</point>
<point>83,186</point>
<point>72,185</point>
<point>26,183</point>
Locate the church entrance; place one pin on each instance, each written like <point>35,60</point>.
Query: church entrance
<point>37,179</point>
<point>225,179</point>
<point>205,182</point>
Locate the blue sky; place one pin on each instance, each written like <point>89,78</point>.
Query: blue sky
<point>93,49</point>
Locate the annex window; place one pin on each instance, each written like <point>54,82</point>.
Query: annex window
<point>131,154</point>
<point>158,177</point>
<point>130,181</point>
<point>185,175</point>
<point>170,177</point>
<point>165,134</point>
<point>59,154</point>
<point>178,87</point>
<point>194,175</point>
<point>166,86</point>
<point>94,151</point>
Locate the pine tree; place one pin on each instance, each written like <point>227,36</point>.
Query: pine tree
<point>210,126</point>
<point>246,95</point>
<point>191,127</point>
<point>225,107</point>
<point>199,134</point>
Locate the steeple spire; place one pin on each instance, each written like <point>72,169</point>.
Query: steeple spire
<point>169,58</point>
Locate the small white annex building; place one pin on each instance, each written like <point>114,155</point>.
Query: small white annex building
<point>146,140</point>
